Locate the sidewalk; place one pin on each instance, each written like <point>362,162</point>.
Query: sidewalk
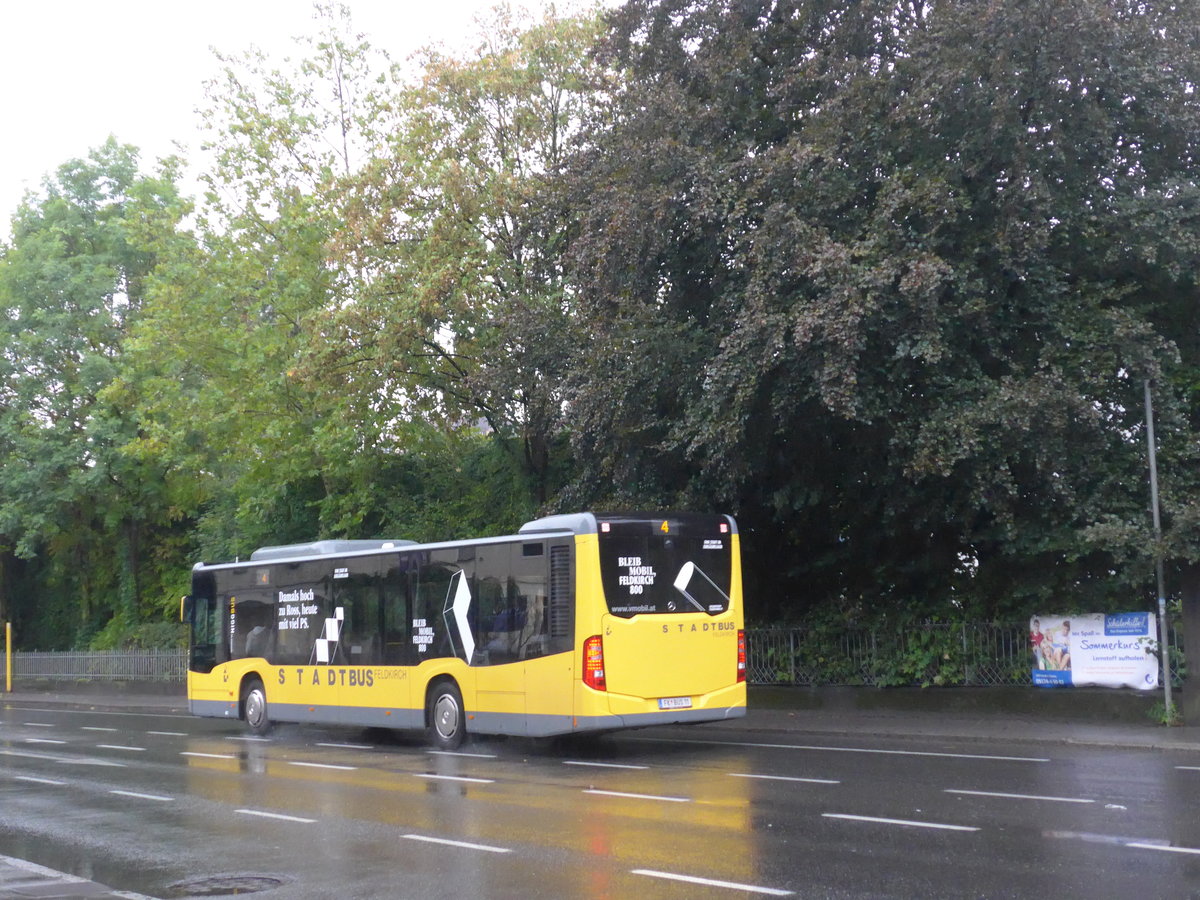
<point>19,879</point>
<point>1055,717</point>
<point>794,725</point>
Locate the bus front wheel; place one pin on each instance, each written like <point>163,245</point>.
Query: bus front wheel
<point>254,707</point>
<point>447,721</point>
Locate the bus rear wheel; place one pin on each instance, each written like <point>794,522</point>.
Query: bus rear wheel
<point>254,707</point>
<point>447,721</point>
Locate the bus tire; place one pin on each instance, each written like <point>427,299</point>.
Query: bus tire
<point>445,717</point>
<point>254,707</point>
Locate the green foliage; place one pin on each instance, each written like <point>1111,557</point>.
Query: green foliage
<point>121,634</point>
<point>467,317</point>
<point>882,279</point>
<point>72,283</point>
<point>1159,713</point>
<point>874,289</point>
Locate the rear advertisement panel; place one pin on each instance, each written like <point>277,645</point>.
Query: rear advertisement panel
<point>1117,650</point>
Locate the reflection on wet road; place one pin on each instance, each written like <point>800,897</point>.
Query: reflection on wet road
<point>150,803</point>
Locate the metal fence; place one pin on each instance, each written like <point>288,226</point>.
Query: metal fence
<point>935,654</point>
<point>932,654</point>
<point>101,665</point>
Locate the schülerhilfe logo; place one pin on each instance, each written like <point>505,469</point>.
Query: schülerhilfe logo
<point>1127,623</point>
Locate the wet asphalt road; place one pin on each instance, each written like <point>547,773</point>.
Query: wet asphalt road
<point>172,806</point>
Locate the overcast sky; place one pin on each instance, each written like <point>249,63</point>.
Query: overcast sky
<point>74,71</point>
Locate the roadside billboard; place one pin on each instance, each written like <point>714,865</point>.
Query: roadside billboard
<point>1095,649</point>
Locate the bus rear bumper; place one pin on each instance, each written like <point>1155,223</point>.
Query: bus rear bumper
<point>665,717</point>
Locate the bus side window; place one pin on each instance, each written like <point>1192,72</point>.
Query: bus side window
<point>528,586</point>
<point>436,584</point>
<point>360,597</point>
<point>397,646</point>
<point>254,630</point>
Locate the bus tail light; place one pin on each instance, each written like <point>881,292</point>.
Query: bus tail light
<point>593,663</point>
<point>741,662</point>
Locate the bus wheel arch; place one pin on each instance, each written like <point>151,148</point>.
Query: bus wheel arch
<point>253,706</point>
<point>445,716</point>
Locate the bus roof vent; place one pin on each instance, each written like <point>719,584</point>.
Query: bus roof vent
<point>323,548</point>
<point>580,523</point>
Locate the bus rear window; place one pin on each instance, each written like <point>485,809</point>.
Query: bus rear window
<point>671,565</point>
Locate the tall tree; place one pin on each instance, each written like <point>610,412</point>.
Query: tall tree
<point>71,285</point>
<point>871,286</point>
<point>238,312</point>
<point>464,314</point>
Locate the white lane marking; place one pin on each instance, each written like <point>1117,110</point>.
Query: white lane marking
<point>347,746</point>
<point>108,713</point>
<point>906,822</point>
<point>249,739</point>
<point>207,755</point>
<point>712,882</point>
<point>95,728</point>
<point>143,796</point>
<point>91,761</point>
<point>1019,796</point>
<point>1092,838</point>
<point>121,747</point>
<point>312,765</point>
<point>43,741</point>
<point>36,780</point>
<point>638,796</point>
<point>1147,845</point>
<point>784,778</point>
<point>271,815</point>
<point>1189,768</point>
<point>454,778</point>
<point>459,753</point>
<point>1037,759</point>
<point>169,733</point>
<point>466,845</point>
<point>38,724</point>
<point>65,760</point>
<point>600,765</point>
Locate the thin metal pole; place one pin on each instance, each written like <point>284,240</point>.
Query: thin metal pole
<point>1163,639</point>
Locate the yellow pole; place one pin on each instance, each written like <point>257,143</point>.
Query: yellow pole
<point>8,657</point>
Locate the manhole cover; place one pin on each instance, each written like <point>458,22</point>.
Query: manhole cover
<point>224,885</point>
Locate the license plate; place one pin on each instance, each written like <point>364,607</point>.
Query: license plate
<point>675,703</point>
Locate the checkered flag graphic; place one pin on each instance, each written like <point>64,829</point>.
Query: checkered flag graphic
<point>326,646</point>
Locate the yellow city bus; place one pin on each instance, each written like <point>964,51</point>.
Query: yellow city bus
<point>580,622</point>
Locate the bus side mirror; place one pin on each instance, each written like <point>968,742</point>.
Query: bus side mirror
<point>186,605</point>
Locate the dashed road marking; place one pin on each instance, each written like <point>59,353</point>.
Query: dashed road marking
<point>466,845</point>
<point>600,765</point>
<point>140,796</point>
<point>313,765</point>
<point>1018,796</point>
<point>713,882</point>
<point>280,816</point>
<point>910,823</point>
<point>630,796</point>
<point>785,778</point>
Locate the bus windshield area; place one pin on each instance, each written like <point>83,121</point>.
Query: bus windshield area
<point>671,565</point>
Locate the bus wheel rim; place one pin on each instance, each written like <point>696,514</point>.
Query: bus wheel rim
<point>446,715</point>
<point>255,707</point>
